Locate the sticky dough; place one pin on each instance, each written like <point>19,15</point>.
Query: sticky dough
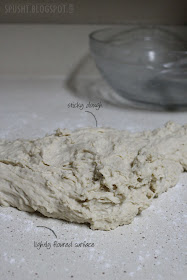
<point>100,176</point>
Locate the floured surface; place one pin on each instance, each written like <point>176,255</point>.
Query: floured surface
<point>100,176</point>
<point>142,250</point>
<point>151,247</point>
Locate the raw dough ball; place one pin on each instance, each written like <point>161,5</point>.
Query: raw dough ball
<point>100,176</point>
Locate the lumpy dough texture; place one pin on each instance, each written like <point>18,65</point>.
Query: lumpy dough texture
<point>100,176</point>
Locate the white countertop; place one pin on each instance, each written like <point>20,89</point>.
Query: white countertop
<point>40,74</point>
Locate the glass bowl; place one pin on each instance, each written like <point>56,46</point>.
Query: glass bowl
<point>145,64</point>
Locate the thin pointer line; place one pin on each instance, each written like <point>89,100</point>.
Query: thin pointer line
<point>49,229</point>
<point>93,116</point>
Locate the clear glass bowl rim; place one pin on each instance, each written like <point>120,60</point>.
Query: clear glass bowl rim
<point>102,42</point>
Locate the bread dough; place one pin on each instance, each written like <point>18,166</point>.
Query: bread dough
<point>100,176</point>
